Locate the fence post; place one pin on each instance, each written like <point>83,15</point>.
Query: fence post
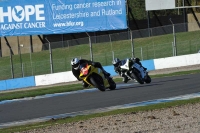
<point>173,51</point>
<point>11,62</point>
<point>132,43</point>
<point>174,35</point>
<point>50,53</point>
<point>141,53</point>
<point>23,69</point>
<point>90,43</point>
<point>113,54</point>
<point>20,56</point>
<point>31,62</point>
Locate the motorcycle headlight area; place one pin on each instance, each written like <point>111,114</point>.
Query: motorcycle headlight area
<point>84,70</point>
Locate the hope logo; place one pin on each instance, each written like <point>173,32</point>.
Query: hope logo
<point>19,13</point>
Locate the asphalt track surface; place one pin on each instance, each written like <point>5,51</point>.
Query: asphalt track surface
<point>130,93</point>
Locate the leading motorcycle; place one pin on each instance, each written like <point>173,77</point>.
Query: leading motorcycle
<point>95,77</point>
<point>134,71</point>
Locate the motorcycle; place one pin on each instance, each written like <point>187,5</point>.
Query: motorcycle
<point>95,77</point>
<point>134,71</point>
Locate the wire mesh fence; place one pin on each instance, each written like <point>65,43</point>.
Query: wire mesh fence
<point>145,44</point>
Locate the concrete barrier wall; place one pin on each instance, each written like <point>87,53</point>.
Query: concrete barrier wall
<point>17,83</point>
<point>55,78</point>
<point>62,77</point>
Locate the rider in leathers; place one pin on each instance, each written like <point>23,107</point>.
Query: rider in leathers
<point>76,71</point>
<point>117,63</point>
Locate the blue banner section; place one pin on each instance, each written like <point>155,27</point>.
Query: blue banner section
<point>34,17</point>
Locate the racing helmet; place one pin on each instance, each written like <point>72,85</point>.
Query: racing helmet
<point>116,61</point>
<point>75,63</point>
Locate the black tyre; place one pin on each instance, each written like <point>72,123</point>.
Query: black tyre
<point>136,75</point>
<point>147,79</point>
<point>112,84</point>
<point>97,81</point>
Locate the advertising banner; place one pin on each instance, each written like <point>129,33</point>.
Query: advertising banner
<point>36,17</point>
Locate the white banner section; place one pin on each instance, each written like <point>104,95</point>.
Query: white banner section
<point>55,78</point>
<point>159,4</point>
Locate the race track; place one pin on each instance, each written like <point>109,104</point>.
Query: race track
<point>131,92</point>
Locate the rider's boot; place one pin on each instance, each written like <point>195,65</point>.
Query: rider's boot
<point>106,73</point>
<point>85,85</point>
<point>125,79</point>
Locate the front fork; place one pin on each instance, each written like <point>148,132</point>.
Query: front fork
<point>128,75</point>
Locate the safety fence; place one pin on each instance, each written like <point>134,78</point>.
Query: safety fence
<point>167,41</point>
<point>67,76</point>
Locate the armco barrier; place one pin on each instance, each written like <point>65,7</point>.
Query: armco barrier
<point>48,79</point>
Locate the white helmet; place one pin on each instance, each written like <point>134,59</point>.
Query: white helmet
<point>115,61</point>
<point>75,63</point>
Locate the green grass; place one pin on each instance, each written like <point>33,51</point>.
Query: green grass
<point>144,48</point>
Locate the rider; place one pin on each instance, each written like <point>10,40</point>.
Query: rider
<point>117,63</point>
<point>75,62</point>
<point>137,60</point>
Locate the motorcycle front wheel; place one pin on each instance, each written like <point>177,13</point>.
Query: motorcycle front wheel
<point>138,77</point>
<point>112,84</point>
<point>97,81</point>
<point>147,79</point>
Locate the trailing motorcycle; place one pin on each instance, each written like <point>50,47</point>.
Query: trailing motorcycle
<point>134,71</point>
<point>95,77</point>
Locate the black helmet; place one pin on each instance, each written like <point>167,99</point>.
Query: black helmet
<point>116,61</point>
<point>75,63</point>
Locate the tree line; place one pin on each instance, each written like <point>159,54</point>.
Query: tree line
<point>137,8</point>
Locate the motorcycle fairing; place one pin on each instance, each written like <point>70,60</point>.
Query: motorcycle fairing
<point>92,71</point>
<point>138,67</point>
<point>125,65</point>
